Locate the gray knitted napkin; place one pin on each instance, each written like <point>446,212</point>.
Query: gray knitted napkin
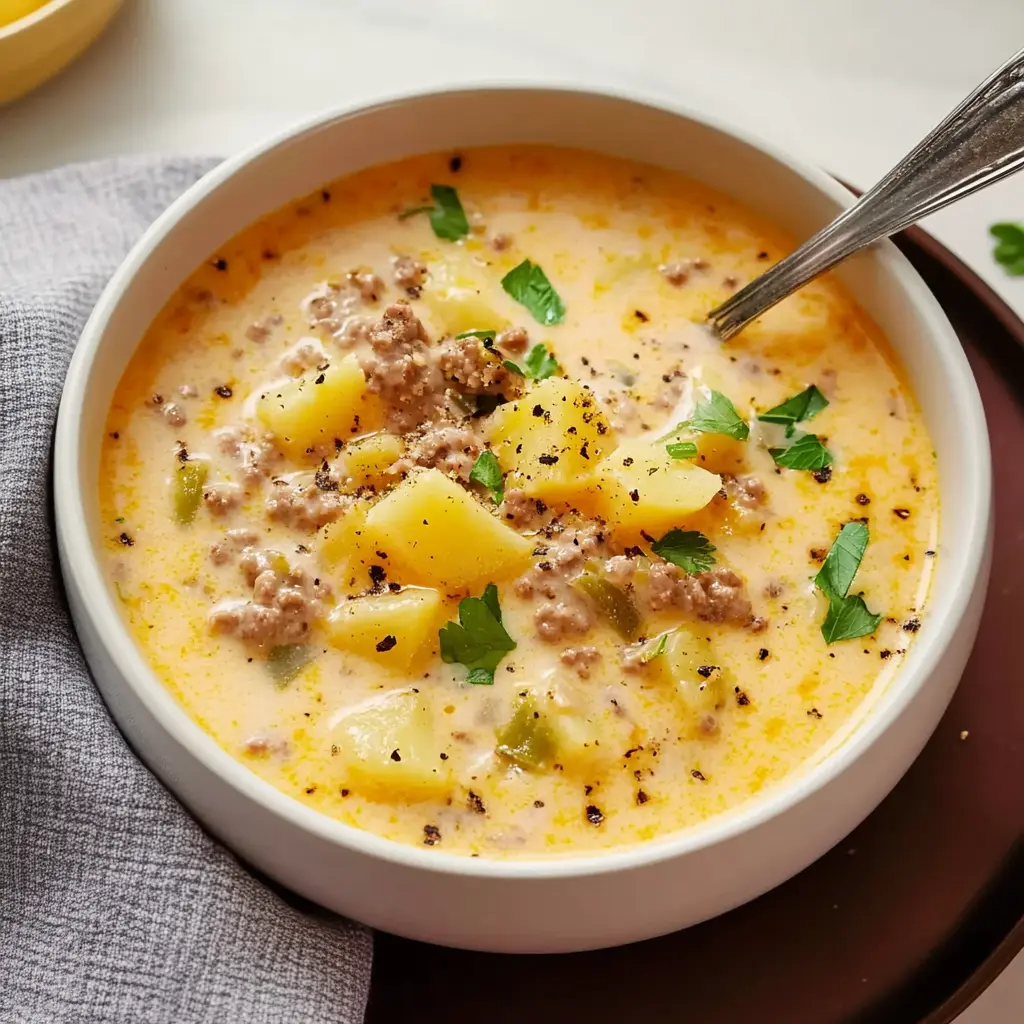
<point>114,904</point>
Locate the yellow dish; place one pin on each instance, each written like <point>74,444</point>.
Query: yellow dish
<point>39,39</point>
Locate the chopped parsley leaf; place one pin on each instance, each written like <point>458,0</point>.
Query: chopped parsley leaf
<point>447,217</point>
<point>805,452</point>
<point>478,640</point>
<point>539,364</point>
<point>487,472</point>
<point>682,450</point>
<point>717,415</point>
<point>688,549</point>
<point>804,406</point>
<point>1009,249</point>
<point>530,287</point>
<point>836,574</point>
<point>848,617</point>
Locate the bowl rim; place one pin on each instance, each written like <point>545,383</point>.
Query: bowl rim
<point>26,21</point>
<point>81,567</point>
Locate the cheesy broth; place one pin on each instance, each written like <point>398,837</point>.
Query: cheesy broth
<point>297,494</point>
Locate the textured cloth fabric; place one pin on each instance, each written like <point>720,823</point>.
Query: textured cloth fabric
<point>114,904</point>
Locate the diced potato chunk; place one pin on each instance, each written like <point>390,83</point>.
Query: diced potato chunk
<point>720,453</point>
<point>690,667</point>
<point>727,518</point>
<point>390,629</point>
<point>458,309</point>
<point>389,750</point>
<point>346,548</point>
<point>365,463</point>
<point>304,415</point>
<point>641,487</point>
<point>342,542</point>
<point>438,535</point>
<point>587,741</point>
<point>551,440</point>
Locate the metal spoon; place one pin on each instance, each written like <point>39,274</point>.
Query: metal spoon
<point>980,142</point>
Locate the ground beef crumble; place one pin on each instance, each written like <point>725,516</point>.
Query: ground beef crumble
<point>261,329</point>
<point>715,596</point>
<point>512,339</point>
<point>329,305</point>
<point>408,274</point>
<point>222,497</point>
<point>719,595</point>
<point>522,512</point>
<point>582,659</point>
<point>678,272</point>
<point>670,392</point>
<point>283,605</point>
<point>263,745</point>
<point>478,370</point>
<point>450,447</point>
<point>304,354</point>
<point>745,491</point>
<point>304,507</point>
<point>256,457</point>
<point>354,330</point>
<point>231,544</point>
<point>402,370</point>
<point>563,611</point>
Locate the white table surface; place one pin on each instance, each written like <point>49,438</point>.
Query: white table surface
<point>849,85</point>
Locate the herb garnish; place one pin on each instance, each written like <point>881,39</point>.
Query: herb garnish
<point>447,218</point>
<point>842,561</point>
<point>717,415</point>
<point>1009,250</point>
<point>848,616</point>
<point>478,640</point>
<point>286,661</point>
<point>688,549</point>
<point>539,364</point>
<point>805,452</point>
<point>682,450</point>
<point>529,286</point>
<point>848,619</point>
<point>804,406</point>
<point>487,472</point>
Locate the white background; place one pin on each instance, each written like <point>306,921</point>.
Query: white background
<point>850,85</point>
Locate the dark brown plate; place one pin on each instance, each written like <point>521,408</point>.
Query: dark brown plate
<point>909,918</point>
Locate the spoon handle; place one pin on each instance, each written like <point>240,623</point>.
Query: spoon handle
<point>980,142</point>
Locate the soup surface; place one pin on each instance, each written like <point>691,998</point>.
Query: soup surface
<point>431,500</point>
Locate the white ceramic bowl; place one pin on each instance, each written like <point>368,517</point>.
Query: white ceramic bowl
<point>567,903</point>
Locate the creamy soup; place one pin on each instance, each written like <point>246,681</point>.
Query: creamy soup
<point>431,499</point>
